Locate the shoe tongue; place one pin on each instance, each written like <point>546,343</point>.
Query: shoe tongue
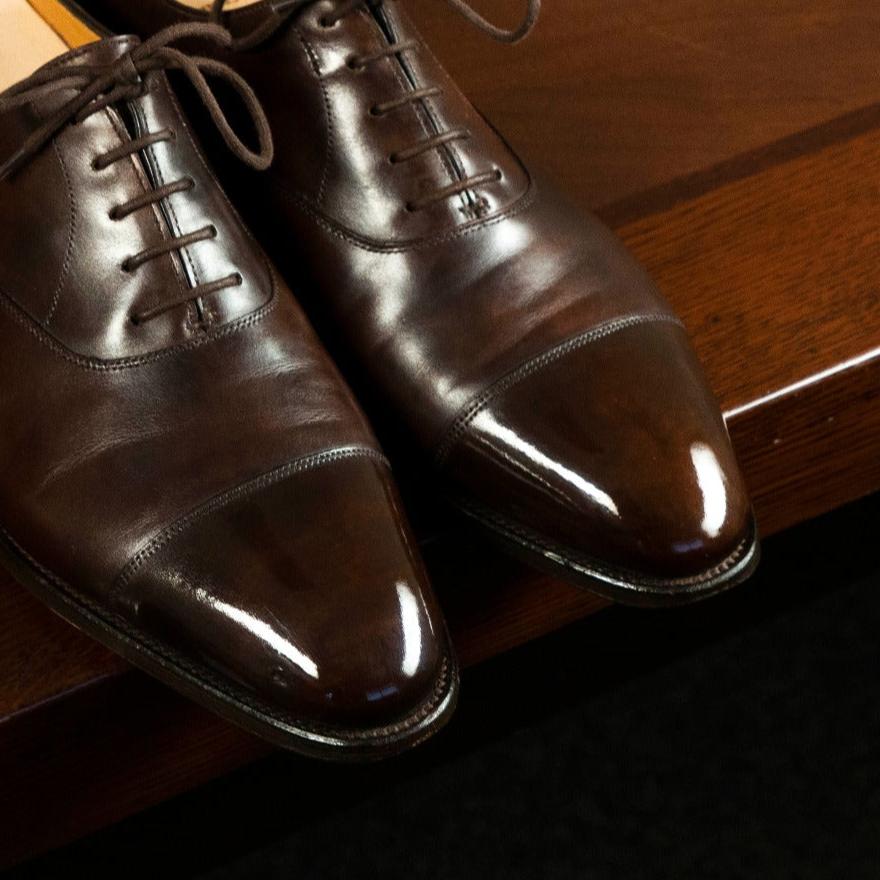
<point>100,52</point>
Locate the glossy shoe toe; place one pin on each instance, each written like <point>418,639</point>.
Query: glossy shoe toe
<point>299,606</point>
<point>610,458</point>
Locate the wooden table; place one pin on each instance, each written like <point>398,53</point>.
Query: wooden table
<point>735,147</point>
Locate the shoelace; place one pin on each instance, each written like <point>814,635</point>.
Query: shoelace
<point>283,10</point>
<point>99,86</point>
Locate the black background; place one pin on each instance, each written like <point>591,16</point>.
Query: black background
<point>737,738</point>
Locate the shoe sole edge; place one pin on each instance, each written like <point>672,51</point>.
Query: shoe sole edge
<point>609,582</point>
<point>228,701</point>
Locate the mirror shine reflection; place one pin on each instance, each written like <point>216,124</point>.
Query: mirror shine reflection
<point>410,619</point>
<point>262,630</point>
<point>710,478</point>
<point>526,452</point>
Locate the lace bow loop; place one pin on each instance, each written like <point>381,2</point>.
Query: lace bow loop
<point>514,35</point>
<point>102,85</point>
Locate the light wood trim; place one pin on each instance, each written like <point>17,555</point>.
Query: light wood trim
<point>72,30</point>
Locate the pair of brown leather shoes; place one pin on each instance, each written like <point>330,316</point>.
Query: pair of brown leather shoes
<point>186,475</point>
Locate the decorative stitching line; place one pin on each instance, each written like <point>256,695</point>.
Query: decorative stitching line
<point>156,165</point>
<point>523,203</point>
<point>210,310</point>
<point>451,88</point>
<point>122,133</point>
<point>71,235</point>
<point>205,678</point>
<point>470,411</point>
<point>22,317</point>
<point>402,69</point>
<point>453,162</point>
<point>209,173</point>
<point>328,113</point>
<point>87,49</point>
<point>112,366</point>
<point>299,465</point>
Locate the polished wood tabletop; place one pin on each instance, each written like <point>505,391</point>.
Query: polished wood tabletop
<point>736,149</point>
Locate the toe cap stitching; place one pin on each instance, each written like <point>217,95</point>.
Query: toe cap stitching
<point>140,642</point>
<point>471,410</point>
<point>299,465</point>
<point>445,682</point>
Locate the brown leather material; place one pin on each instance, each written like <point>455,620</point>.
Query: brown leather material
<point>81,213</point>
<point>332,655</point>
<point>647,492</point>
<point>199,490</point>
<point>434,306</point>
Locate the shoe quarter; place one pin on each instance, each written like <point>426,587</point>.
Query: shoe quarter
<point>65,253</point>
<point>363,188</point>
<point>37,224</point>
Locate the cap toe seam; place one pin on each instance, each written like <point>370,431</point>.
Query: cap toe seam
<point>533,365</point>
<point>242,490</point>
<point>246,699</point>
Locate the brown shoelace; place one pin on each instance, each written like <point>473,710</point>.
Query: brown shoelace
<point>283,10</point>
<point>99,86</point>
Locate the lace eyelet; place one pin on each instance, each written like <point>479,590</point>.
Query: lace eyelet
<point>126,267</point>
<point>238,279</point>
<point>410,208</point>
<point>499,174</point>
<point>326,22</point>
<point>114,214</point>
<point>375,111</point>
<point>97,164</point>
<point>213,230</point>
<point>354,63</point>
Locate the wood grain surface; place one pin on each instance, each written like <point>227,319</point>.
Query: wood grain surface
<point>736,149</point>
<point>617,97</point>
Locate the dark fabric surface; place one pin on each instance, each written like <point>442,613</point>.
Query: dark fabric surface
<point>735,739</point>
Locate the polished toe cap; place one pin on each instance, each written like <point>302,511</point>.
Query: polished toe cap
<point>611,450</point>
<point>304,592</point>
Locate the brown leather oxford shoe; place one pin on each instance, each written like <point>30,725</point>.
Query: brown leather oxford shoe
<point>185,475</point>
<point>520,347</point>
